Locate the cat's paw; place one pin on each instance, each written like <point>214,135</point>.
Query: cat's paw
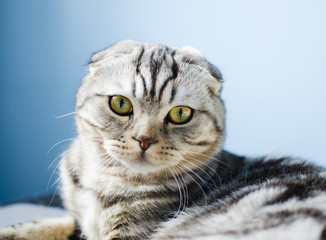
<point>10,233</point>
<point>49,229</point>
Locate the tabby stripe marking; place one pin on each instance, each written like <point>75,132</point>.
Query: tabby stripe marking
<point>284,215</point>
<point>137,64</point>
<point>155,67</point>
<point>200,143</point>
<point>113,200</point>
<point>217,127</point>
<point>256,179</point>
<point>299,189</point>
<point>173,93</point>
<point>175,72</point>
<point>91,124</point>
<point>306,212</point>
<point>138,70</point>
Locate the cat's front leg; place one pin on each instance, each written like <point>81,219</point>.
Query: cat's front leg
<point>45,229</point>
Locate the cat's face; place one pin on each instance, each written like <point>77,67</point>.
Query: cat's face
<point>152,108</point>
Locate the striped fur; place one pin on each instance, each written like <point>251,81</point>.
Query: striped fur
<point>184,185</point>
<point>277,198</point>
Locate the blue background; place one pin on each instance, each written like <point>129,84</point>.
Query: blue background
<point>272,55</point>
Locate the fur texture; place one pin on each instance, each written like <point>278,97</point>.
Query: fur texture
<point>140,175</point>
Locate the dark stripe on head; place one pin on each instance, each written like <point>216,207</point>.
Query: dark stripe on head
<point>133,87</point>
<point>173,93</point>
<point>138,62</point>
<point>91,124</point>
<point>144,84</point>
<point>175,70</point>
<point>137,70</point>
<point>155,67</point>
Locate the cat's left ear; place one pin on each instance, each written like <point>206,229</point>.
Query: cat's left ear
<point>191,55</point>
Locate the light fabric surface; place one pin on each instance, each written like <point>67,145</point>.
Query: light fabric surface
<point>25,212</point>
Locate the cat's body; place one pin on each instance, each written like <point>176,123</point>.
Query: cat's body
<point>148,160</point>
<point>268,198</point>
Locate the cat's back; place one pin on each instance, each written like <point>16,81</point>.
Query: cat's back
<point>270,198</point>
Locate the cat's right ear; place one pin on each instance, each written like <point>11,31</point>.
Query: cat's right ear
<point>120,48</point>
<point>106,58</point>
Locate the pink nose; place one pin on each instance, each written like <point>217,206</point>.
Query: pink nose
<point>145,142</point>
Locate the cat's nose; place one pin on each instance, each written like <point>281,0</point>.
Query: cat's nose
<point>145,142</point>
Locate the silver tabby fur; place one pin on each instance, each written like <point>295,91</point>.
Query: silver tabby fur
<point>184,186</point>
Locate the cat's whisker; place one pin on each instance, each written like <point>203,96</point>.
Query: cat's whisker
<point>70,152</point>
<point>55,192</point>
<point>184,201</point>
<point>185,189</point>
<point>179,188</point>
<point>71,149</point>
<point>47,186</point>
<point>201,188</point>
<point>70,170</point>
<point>201,169</point>
<point>62,141</point>
<point>73,167</point>
<point>211,158</point>
<point>59,179</point>
<point>64,115</point>
<point>106,161</point>
<point>206,165</point>
<point>115,161</point>
<point>57,159</point>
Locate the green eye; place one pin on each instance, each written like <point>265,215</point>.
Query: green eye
<point>180,115</point>
<point>120,105</point>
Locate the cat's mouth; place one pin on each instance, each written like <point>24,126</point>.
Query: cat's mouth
<point>144,160</point>
<point>143,157</point>
<point>141,163</point>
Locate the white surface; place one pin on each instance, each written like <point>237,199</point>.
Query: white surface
<point>26,212</point>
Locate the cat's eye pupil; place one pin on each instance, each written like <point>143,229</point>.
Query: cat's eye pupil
<point>121,103</point>
<point>180,113</point>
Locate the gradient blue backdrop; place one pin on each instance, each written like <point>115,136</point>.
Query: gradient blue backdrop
<point>272,55</point>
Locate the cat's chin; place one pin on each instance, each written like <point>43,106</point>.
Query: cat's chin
<point>141,165</point>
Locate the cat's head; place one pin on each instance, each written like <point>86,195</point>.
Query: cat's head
<point>151,107</point>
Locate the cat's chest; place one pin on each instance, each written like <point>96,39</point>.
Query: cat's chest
<point>124,216</point>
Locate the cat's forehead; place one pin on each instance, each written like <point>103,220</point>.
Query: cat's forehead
<point>154,74</point>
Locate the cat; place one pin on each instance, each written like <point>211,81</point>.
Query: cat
<point>149,163</point>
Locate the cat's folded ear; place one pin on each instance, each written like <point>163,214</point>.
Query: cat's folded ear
<point>120,48</point>
<point>191,55</point>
